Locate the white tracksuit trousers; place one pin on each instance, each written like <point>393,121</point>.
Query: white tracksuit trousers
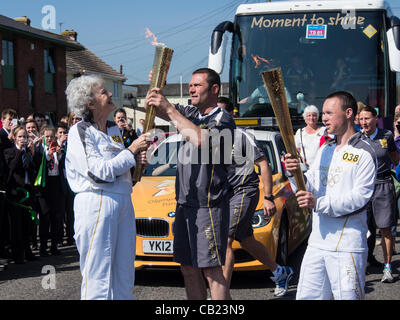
<point>325,273</point>
<point>105,234</point>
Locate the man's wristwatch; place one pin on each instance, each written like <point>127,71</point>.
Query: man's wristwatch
<point>269,198</point>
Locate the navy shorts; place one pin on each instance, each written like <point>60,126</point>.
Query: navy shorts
<point>383,205</point>
<point>201,235</point>
<point>242,206</point>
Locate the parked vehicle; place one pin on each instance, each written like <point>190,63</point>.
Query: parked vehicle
<point>154,203</point>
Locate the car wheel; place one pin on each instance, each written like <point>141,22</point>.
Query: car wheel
<point>282,251</point>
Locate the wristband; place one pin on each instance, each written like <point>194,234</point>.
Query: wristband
<point>269,198</point>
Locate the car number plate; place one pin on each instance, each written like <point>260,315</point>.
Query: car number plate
<point>158,246</point>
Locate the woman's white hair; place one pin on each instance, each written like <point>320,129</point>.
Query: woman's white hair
<point>80,94</point>
<point>310,109</point>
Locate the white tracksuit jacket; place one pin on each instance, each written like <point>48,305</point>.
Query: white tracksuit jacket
<point>98,170</point>
<point>343,181</point>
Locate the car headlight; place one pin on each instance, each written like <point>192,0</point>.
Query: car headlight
<point>259,220</point>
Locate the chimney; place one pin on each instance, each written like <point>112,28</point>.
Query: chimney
<point>72,34</point>
<point>24,19</point>
<point>121,69</point>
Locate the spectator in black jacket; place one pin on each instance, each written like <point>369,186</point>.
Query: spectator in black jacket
<point>4,229</point>
<point>33,132</point>
<point>62,136</point>
<point>51,199</point>
<point>9,121</point>
<point>128,135</point>
<point>34,141</point>
<point>20,179</point>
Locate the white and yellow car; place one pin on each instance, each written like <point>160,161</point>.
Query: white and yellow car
<point>154,203</point>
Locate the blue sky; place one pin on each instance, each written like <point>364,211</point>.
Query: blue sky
<point>115,30</point>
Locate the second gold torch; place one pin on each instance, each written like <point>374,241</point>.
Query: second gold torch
<point>162,61</point>
<point>273,82</point>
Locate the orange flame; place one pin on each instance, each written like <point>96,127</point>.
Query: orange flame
<point>257,62</point>
<point>257,59</point>
<point>154,42</point>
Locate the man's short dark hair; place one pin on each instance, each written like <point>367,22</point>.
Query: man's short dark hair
<point>31,121</point>
<point>120,110</point>
<point>38,115</point>
<point>347,100</point>
<point>212,77</point>
<point>9,112</point>
<point>227,102</point>
<point>369,109</point>
<point>62,125</point>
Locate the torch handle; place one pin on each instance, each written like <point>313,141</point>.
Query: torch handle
<point>148,125</point>
<point>161,64</point>
<point>273,82</point>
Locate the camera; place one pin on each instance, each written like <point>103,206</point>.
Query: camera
<point>54,144</point>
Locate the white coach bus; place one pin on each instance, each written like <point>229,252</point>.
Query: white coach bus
<point>321,46</point>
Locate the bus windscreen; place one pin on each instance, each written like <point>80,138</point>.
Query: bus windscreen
<point>319,53</point>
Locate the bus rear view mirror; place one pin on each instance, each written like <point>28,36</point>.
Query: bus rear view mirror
<point>216,58</point>
<point>393,36</point>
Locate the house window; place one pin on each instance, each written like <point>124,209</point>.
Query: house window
<point>31,88</point>
<point>7,64</point>
<point>49,71</point>
<point>116,90</point>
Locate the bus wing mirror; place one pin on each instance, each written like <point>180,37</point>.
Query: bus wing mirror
<point>393,36</point>
<point>216,58</point>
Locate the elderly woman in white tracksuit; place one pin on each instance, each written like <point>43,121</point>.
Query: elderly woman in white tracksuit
<point>98,171</point>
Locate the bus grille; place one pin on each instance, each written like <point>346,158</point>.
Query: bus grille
<point>147,227</point>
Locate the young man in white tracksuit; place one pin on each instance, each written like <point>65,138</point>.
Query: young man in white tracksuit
<point>340,183</point>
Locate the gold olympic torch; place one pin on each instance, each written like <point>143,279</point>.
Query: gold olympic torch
<point>273,82</point>
<point>162,61</point>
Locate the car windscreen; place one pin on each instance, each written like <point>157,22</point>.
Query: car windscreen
<point>268,150</point>
<point>163,160</point>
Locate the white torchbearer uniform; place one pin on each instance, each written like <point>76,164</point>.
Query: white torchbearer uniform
<point>335,260</point>
<point>98,170</point>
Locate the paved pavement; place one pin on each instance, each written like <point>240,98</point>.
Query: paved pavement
<point>58,278</point>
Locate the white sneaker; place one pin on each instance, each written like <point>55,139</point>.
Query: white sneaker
<point>282,282</point>
<point>387,275</point>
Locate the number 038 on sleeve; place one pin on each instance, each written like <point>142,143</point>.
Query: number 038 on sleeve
<point>351,157</point>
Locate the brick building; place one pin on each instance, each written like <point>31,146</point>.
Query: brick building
<point>33,68</point>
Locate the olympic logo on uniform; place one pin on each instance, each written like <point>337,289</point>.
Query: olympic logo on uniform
<point>330,179</point>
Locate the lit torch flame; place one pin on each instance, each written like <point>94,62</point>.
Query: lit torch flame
<point>154,42</point>
<point>257,59</point>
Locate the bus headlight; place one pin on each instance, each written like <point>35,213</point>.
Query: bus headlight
<point>259,220</point>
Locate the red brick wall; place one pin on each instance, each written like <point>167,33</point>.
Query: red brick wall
<point>61,81</point>
<point>26,58</point>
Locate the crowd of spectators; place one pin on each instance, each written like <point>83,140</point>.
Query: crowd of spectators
<point>36,203</point>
